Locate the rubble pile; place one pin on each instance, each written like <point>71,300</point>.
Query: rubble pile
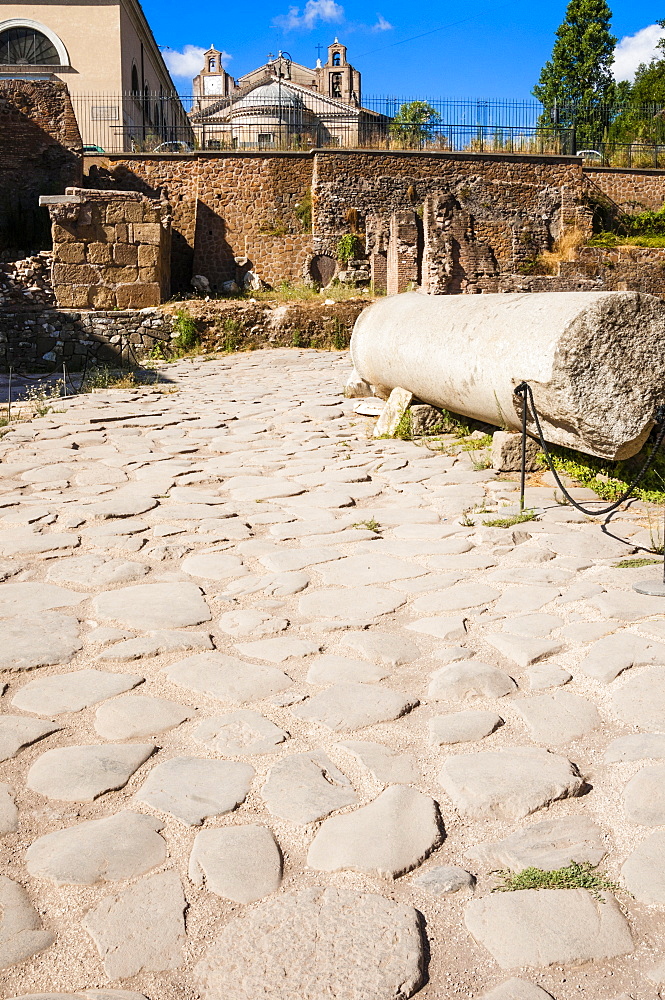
<point>27,283</point>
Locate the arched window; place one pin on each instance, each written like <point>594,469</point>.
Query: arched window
<point>335,84</point>
<point>25,46</point>
<point>212,65</point>
<point>135,81</point>
<point>337,59</point>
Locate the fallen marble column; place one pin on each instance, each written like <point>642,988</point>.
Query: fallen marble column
<point>594,360</point>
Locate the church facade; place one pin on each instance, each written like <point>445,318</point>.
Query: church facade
<point>282,105</point>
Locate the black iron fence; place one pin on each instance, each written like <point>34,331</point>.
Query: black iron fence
<point>283,120</point>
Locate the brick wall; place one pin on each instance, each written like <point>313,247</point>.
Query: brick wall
<point>111,249</point>
<point>40,149</point>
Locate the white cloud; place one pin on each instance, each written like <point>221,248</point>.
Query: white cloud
<point>635,49</point>
<point>189,62</point>
<point>381,24</point>
<point>314,10</point>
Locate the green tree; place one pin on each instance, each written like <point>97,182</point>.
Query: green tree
<point>576,83</point>
<point>641,118</point>
<point>413,123</point>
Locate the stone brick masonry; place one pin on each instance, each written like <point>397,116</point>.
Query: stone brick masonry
<point>111,249</point>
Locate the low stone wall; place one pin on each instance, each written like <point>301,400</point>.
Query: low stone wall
<point>43,339</point>
<point>632,190</point>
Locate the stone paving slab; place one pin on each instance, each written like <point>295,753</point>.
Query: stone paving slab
<point>190,566</point>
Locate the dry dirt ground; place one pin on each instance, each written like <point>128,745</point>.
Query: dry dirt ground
<point>270,702</point>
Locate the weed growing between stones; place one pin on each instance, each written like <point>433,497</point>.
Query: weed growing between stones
<point>371,525</point>
<point>475,444</point>
<point>508,522</point>
<point>573,876</point>
<point>635,563</point>
<point>187,334</point>
<point>231,334</point>
<point>610,479</point>
<point>466,521</point>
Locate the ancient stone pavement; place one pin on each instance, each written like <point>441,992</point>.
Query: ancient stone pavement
<point>272,715</point>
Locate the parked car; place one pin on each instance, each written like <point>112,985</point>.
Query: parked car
<point>92,150</point>
<point>590,154</point>
<point>173,147</point>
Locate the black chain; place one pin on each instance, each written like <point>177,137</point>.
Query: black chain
<point>524,389</point>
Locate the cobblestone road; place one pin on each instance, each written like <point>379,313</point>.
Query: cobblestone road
<point>273,711</point>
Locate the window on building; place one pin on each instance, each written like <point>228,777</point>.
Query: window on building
<point>212,65</point>
<point>335,84</point>
<point>337,59</point>
<point>135,81</point>
<point>27,47</point>
<point>265,139</point>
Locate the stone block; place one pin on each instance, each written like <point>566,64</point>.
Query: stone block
<point>147,232</point>
<point>122,233</point>
<point>98,253</point>
<point>425,419</point>
<point>125,254</point>
<point>397,405</point>
<point>120,275</point>
<point>69,253</point>
<point>507,452</point>
<point>79,295</point>
<point>102,297</point>
<point>148,255</point>
<point>137,295</point>
<point>125,211</point>
<point>148,274</point>
<point>74,274</point>
<point>62,235</point>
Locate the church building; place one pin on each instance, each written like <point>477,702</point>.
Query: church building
<point>282,104</point>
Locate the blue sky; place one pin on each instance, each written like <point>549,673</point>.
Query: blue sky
<point>484,48</point>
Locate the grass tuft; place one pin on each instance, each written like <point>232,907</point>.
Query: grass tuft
<point>635,563</point>
<point>371,525</point>
<point>508,522</point>
<point>573,876</point>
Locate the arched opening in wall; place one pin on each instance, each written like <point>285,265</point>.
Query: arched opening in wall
<point>135,81</point>
<point>322,268</point>
<point>337,59</point>
<point>26,46</point>
<point>336,85</point>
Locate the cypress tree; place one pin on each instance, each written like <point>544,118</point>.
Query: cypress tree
<point>576,83</point>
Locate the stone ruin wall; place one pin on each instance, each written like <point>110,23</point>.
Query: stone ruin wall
<point>111,249</point>
<point>40,153</point>
<point>631,190</point>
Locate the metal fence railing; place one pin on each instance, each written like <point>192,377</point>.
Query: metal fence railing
<point>287,121</point>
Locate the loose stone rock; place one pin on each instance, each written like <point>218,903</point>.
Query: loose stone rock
<point>155,644</point>
<point>469,679</point>
<point>83,773</point>
<point>213,566</point>
<point>138,716</point>
<point>549,844</point>
<point>390,649</point>
<point>523,599</point>
<point>508,784</point>
<point>154,911</point>
<point>318,942</point>
<point>238,733</point>
<point>641,700</point>
<point>331,669</point>
<point>17,732</point>
<point>644,796</point>
<point>227,678</point>
<point>462,727</point>
<point>615,653</point>
<point>8,811</point>
<point>191,788</point>
<point>444,880</point>
<point>627,606</point>
<point>440,627</point>
<point>644,870</point>
<point>517,989</point>
<point>391,835</point>
<point>32,598</point>
<point>548,927</point>
<point>305,787</point>
<point>546,675</point>
<point>558,718</point>
<point>80,570</point>
<point>251,622</point>
<point>387,765</point>
<point>349,602</point>
<point>154,605</point>
<point>72,692</point>
<point>521,650</point>
<point>278,649</point>
<point>241,863</point>
<point>102,850</point>
<point>368,569</point>
<point>21,933</point>
<point>456,598</point>
<point>636,746</point>
<point>38,640</point>
<point>353,706</point>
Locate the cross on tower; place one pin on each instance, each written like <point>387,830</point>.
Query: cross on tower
<point>318,50</point>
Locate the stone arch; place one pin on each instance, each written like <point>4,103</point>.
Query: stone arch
<point>38,28</point>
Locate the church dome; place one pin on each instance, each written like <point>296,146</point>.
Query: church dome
<point>270,95</point>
